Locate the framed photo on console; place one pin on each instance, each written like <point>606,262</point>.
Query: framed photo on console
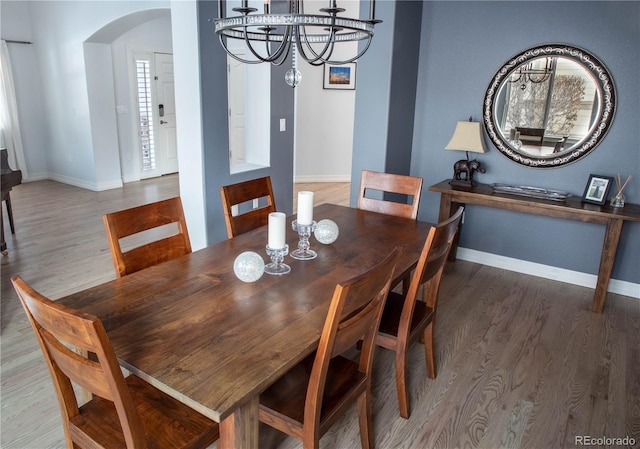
<point>597,189</point>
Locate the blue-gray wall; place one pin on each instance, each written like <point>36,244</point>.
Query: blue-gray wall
<point>213,74</point>
<point>462,44</point>
<point>386,91</point>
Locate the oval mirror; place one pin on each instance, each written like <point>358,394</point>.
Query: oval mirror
<point>549,106</point>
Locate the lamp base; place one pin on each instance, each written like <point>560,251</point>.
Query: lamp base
<point>463,172</point>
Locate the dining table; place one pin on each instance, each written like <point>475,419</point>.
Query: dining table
<point>193,329</point>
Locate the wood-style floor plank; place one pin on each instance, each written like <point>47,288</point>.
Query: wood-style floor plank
<point>522,361</point>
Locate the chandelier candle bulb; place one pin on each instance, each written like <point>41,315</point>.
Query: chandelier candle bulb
<point>305,208</point>
<point>277,226</point>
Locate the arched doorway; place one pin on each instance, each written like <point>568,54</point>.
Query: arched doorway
<point>112,88</point>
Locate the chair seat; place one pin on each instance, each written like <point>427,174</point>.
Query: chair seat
<point>287,395</point>
<point>393,310</point>
<point>168,424</point>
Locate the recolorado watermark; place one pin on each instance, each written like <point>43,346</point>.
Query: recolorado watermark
<point>586,440</point>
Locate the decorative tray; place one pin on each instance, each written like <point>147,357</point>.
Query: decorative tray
<point>535,192</point>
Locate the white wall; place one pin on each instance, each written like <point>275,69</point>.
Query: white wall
<point>102,117</point>
<point>15,25</point>
<point>324,118</point>
<point>186,63</point>
<point>59,30</point>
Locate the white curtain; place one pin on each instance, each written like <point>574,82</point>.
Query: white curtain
<point>9,123</point>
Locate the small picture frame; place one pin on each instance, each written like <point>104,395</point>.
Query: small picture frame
<point>597,189</point>
<point>340,76</point>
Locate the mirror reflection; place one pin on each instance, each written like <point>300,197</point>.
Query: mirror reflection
<point>548,107</point>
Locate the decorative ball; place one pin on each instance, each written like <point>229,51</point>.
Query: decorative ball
<point>248,266</point>
<point>326,231</point>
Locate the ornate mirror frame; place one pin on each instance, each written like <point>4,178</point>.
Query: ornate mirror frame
<point>600,125</point>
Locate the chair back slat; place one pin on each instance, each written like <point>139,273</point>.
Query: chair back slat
<point>389,194</point>
<point>154,253</point>
<point>131,223</point>
<point>243,192</point>
<point>84,372</point>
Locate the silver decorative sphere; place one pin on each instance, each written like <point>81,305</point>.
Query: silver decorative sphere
<point>248,266</point>
<point>292,77</point>
<point>326,231</point>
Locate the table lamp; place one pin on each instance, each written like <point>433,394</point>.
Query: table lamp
<point>466,137</point>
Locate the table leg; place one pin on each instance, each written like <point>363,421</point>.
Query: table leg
<point>240,429</point>
<point>609,248</point>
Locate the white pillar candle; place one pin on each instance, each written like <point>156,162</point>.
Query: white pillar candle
<point>305,208</point>
<point>277,226</point>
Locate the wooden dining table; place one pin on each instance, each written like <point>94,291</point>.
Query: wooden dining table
<point>191,328</point>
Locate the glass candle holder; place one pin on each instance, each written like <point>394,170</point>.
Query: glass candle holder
<point>304,232</point>
<point>277,266</point>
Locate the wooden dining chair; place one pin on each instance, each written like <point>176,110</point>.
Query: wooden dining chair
<point>309,398</point>
<point>234,196</point>
<point>160,228</point>
<point>531,135</point>
<point>123,412</point>
<point>407,318</point>
<point>393,193</point>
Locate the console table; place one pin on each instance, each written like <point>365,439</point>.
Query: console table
<point>571,209</point>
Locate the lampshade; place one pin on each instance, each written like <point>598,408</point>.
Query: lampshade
<point>467,137</point>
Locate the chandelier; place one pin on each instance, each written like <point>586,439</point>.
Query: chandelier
<point>533,73</point>
<point>314,37</point>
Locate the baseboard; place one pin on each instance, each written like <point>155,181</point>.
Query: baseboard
<point>36,177</point>
<point>546,271</point>
<point>322,178</point>
<point>130,178</point>
<point>108,185</point>
<point>96,187</point>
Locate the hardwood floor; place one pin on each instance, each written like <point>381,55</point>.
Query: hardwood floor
<point>522,362</point>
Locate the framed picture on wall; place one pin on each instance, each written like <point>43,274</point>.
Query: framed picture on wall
<point>597,189</point>
<point>341,77</point>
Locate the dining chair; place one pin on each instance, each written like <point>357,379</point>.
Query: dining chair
<point>531,135</point>
<point>235,196</point>
<point>395,192</point>
<point>147,235</point>
<point>310,397</point>
<point>407,318</point>
<point>123,412</point>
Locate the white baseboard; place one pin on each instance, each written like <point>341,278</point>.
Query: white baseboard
<point>36,177</point>
<point>546,271</point>
<point>130,178</point>
<point>96,187</point>
<point>108,185</point>
<point>322,178</point>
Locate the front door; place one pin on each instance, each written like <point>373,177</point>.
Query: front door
<point>156,114</point>
<point>166,106</point>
